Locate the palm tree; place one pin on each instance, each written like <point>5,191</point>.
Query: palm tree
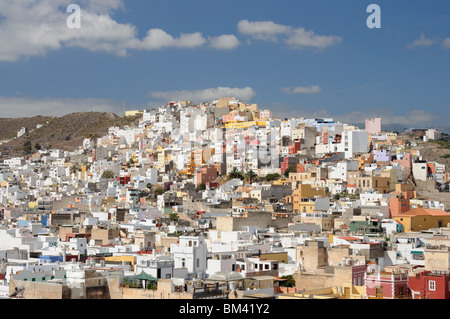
<point>158,191</point>
<point>235,174</point>
<point>251,175</point>
<point>74,168</point>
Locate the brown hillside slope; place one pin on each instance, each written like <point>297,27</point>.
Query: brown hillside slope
<point>10,126</point>
<point>67,132</point>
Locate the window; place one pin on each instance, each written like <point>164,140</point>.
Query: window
<point>379,292</point>
<point>432,285</point>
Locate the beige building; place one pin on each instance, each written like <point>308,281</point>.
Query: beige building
<point>144,239</point>
<point>437,258</point>
<point>322,267</point>
<point>260,219</point>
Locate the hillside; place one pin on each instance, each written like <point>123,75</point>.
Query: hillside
<point>66,132</point>
<point>10,126</point>
<point>437,151</point>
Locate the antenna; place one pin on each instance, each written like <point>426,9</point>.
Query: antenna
<point>124,107</point>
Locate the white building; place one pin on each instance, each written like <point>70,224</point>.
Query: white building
<point>190,253</point>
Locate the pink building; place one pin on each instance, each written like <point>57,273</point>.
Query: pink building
<point>266,114</point>
<point>228,117</point>
<point>206,174</point>
<point>387,285</point>
<point>406,162</point>
<point>373,126</point>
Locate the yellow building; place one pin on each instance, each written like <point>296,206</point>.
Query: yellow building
<point>418,219</point>
<point>281,257</point>
<point>346,291</point>
<point>304,198</point>
<point>133,113</point>
<point>237,125</point>
<point>32,204</point>
<point>125,258</point>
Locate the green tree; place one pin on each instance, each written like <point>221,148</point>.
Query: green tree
<point>235,174</point>
<point>291,169</point>
<point>37,146</point>
<point>108,174</point>
<point>74,168</point>
<point>173,217</point>
<point>27,148</point>
<point>159,191</point>
<point>251,176</point>
<point>289,282</point>
<point>272,177</point>
<point>201,187</point>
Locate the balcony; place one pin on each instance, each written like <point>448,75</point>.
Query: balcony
<point>210,292</point>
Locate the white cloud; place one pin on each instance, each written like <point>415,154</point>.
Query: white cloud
<point>197,96</point>
<point>422,42</point>
<point>446,43</point>
<point>262,30</point>
<point>411,118</point>
<point>31,28</point>
<point>295,38</point>
<point>300,38</point>
<point>224,42</point>
<point>157,39</point>
<point>302,90</point>
<point>35,27</point>
<point>12,107</point>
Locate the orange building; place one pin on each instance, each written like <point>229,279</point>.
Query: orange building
<point>418,219</point>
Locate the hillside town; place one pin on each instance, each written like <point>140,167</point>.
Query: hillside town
<point>222,200</point>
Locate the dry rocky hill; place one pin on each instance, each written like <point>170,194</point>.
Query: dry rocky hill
<point>66,132</point>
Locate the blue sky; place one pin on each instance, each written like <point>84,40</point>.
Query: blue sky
<point>247,48</point>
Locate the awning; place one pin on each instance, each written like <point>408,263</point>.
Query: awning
<point>144,276</point>
<point>416,252</point>
<point>279,278</point>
